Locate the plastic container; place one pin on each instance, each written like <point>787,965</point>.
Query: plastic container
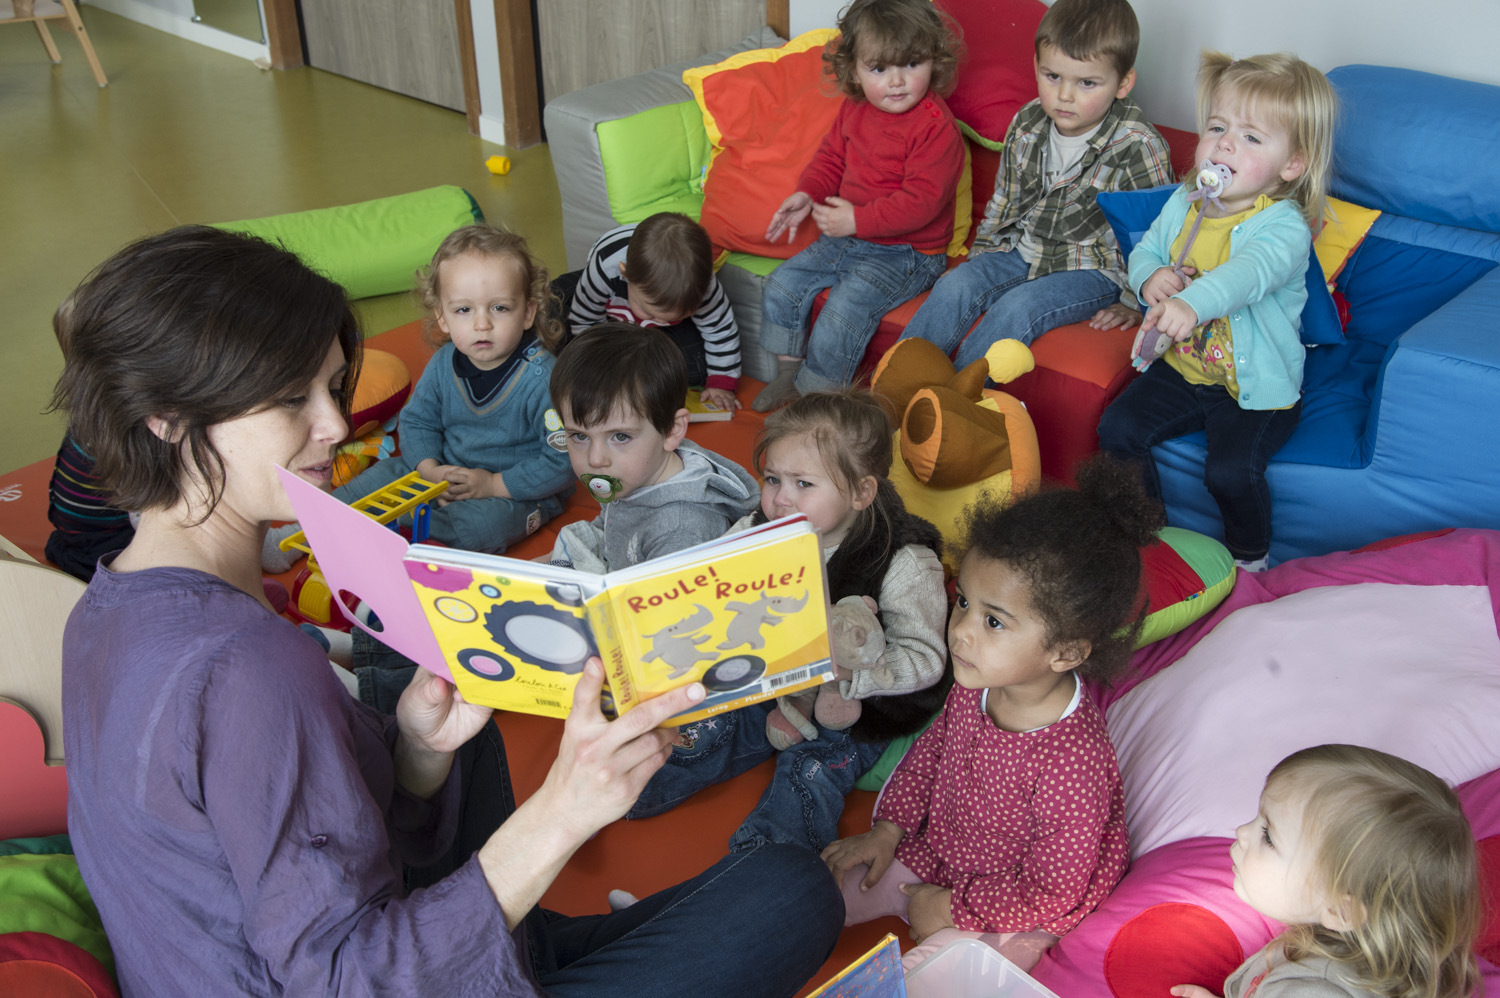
<point>967,968</point>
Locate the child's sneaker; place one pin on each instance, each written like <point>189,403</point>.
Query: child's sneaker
<point>1258,565</point>
<point>620,900</point>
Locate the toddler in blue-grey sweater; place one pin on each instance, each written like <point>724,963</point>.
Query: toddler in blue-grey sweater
<point>480,417</point>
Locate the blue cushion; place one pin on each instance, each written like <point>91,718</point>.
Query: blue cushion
<point>1396,278</point>
<point>1418,145</point>
<point>1130,214</point>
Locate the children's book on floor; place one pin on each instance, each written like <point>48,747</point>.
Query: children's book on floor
<point>877,974</point>
<point>746,615</point>
<point>700,411</point>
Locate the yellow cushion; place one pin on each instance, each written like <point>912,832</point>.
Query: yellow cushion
<point>1342,233</point>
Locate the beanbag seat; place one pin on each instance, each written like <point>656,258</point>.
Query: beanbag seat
<point>1395,648</point>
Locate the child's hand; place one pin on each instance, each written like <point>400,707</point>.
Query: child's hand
<point>1192,991</point>
<point>473,483</point>
<point>877,847</point>
<point>1165,283</point>
<point>792,213</point>
<point>721,397</point>
<point>930,909</point>
<point>835,217</point>
<point>1174,317</point>
<point>431,471</point>
<point>1115,316</point>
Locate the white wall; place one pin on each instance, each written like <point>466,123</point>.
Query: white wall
<point>175,17</point>
<point>1450,37</point>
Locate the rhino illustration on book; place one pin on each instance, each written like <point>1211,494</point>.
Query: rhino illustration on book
<point>677,644</point>
<point>749,618</point>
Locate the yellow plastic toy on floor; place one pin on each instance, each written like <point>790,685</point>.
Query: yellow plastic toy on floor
<point>311,598</point>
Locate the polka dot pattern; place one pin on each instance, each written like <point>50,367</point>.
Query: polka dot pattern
<point>1026,828</point>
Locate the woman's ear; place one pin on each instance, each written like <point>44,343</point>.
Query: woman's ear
<point>864,492</point>
<point>164,428</point>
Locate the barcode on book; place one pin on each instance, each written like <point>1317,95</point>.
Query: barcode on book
<point>787,678</point>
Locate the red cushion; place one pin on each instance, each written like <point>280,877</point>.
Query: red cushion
<point>1170,944</point>
<point>42,966</point>
<point>997,76</point>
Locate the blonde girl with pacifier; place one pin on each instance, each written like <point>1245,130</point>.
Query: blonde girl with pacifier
<point>1222,269</point>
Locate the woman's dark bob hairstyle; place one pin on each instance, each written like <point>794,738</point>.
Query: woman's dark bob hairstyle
<point>196,326</point>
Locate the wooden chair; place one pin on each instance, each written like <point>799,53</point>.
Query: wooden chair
<point>35,601</point>
<point>39,12</point>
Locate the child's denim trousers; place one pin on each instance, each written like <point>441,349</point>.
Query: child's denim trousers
<point>805,799</point>
<point>866,280</point>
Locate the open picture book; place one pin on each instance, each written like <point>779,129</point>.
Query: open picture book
<point>746,615</point>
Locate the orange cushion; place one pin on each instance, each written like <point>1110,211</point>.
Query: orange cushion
<point>765,112</point>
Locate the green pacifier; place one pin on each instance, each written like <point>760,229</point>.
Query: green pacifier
<point>602,487</point>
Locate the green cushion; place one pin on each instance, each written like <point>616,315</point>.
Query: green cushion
<point>654,157</point>
<point>45,893</point>
<point>373,247</point>
<point>1186,597</point>
<point>877,774</point>
<point>757,265</point>
<point>44,846</point>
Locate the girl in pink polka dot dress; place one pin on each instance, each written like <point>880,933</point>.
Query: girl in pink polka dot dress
<point>1006,820</point>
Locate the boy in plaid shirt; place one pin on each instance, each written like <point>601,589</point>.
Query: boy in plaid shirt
<point>1044,255</point>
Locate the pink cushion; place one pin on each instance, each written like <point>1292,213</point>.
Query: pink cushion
<point>1395,648</point>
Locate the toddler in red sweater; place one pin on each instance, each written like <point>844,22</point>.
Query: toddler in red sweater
<point>1006,820</point>
<point>880,190</point>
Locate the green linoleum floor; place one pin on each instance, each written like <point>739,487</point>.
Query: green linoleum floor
<point>184,133</point>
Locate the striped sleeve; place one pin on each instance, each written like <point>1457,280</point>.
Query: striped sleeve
<point>721,338</point>
<point>601,280</point>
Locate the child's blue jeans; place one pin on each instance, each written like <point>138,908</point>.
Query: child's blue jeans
<point>866,280</point>
<point>805,798</point>
<point>1161,405</point>
<point>995,286</point>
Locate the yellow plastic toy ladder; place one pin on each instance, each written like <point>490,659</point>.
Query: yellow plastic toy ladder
<point>383,505</point>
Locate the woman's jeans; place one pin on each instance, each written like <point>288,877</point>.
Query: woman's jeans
<point>865,281</point>
<point>760,921</point>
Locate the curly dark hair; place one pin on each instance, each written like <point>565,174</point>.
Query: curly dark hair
<point>1079,551</point>
<point>894,33</point>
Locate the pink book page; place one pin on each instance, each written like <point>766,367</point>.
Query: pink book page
<point>360,556</point>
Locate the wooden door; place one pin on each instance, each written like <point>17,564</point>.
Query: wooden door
<point>408,46</point>
<point>583,42</point>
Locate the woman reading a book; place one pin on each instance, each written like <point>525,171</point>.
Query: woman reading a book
<point>243,824</point>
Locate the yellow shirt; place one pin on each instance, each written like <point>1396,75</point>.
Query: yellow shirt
<point>1207,357</point>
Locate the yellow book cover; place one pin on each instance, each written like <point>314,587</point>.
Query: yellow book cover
<point>700,411</point>
<point>747,615</point>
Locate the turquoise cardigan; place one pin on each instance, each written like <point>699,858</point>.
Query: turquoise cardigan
<point>1261,288</point>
